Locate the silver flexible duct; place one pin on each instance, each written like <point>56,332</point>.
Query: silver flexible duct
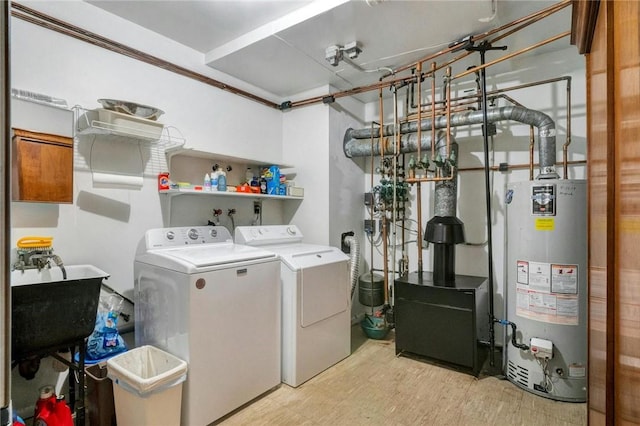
<point>354,259</point>
<point>353,138</point>
<point>446,191</point>
<point>408,143</point>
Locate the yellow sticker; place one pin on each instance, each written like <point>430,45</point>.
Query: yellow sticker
<point>545,224</point>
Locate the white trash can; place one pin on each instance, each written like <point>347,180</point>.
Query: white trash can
<point>147,387</point>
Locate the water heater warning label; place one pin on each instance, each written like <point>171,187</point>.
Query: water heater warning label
<point>523,272</point>
<point>545,224</point>
<point>547,292</point>
<point>543,200</point>
<point>564,279</point>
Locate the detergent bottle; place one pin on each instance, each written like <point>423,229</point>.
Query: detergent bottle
<point>51,410</point>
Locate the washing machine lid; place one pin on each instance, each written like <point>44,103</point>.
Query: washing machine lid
<point>300,256</point>
<point>193,259</point>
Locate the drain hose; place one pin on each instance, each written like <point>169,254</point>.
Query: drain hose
<point>354,259</point>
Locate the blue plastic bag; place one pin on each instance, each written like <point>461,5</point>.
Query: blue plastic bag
<point>105,341</point>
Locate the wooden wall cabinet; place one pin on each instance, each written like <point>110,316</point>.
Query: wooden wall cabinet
<point>42,167</point>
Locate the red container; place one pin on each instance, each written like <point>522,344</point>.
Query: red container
<point>51,411</point>
<point>163,181</point>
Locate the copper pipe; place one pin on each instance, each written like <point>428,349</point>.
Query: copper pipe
<point>551,9</point>
<point>62,27</point>
<point>518,166</point>
<point>565,147</point>
<point>448,150</point>
<point>498,38</point>
<point>540,17</point>
<point>354,91</point>
<point>419,187</point>
<point>506,89</point>
<point>531,143</point>
<point>372,202</point>
<point>419,119</point>
<point>380,138</point>
<point>394,166</point>
<point>442,110</point>
<point>385,268</point>
<point>51,23</point>
<point>433,108</point>
<point>534,17</point>
<point>511,55</point>
<point>430,179</point>
<point>540,14</point>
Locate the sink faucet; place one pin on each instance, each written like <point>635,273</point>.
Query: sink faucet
<point>40,259</point>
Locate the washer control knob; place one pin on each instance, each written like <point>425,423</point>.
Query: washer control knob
<point>291,230</point>
<point>213,232</point>
<point>170,235</point>
<point>193,234</point>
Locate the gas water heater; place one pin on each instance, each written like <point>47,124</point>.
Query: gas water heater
<point>547,287</point>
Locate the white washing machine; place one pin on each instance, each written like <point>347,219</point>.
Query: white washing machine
<point>216,305</point>
<point>316,305</point>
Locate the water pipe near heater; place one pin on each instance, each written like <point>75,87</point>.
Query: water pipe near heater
<point>482,48</point>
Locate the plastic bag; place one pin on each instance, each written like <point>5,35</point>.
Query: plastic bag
<point>105,341</point>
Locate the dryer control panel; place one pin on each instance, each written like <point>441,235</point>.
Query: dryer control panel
<point>189,235</point>
<point>271,234</point>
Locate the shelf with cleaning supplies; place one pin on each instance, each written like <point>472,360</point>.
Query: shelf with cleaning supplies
<point>190,191</point>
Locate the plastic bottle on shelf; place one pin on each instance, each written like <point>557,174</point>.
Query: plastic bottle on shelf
<point>222,181</point>
<point>207,182</point>
<point>214,179</point>
<point>249,175</point>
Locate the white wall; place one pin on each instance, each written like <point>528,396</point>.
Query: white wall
<point>103,226</point>
<point>305,146</point>
<point>346,179</point>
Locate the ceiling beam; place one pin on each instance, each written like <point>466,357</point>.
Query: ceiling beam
<point>313,9</point>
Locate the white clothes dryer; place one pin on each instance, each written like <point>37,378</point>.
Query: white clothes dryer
<point>216,305</point>
<point>316,305</point>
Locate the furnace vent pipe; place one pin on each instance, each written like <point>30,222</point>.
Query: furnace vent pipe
<point>446,191</point>
<point>408,143</point>
<point>354,138</point>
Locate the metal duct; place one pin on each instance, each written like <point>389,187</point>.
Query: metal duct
<point>545,125</point>
<point>354,259</point>
<point>408,143</point>
<point>446,191</point>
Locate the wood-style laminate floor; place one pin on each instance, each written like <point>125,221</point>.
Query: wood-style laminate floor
<point>374,387</point>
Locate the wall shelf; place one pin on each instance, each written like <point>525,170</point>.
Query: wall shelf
<point>176,192</point>
<point>190,152</point>
<point>107,123</point>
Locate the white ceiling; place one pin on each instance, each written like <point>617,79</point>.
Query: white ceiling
<point>279,45</point>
